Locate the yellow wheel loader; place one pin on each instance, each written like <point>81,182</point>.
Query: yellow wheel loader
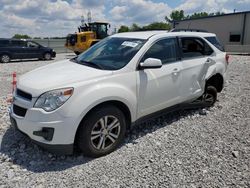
<point>88,34</point>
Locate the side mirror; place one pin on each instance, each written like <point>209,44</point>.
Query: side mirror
<point>151,63</point>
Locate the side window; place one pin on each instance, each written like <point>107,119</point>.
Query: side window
<point>195,47</point>
<point>32,44</point>
<point>215,42</point>
<point>165,50</point>
<point>234,37</point>
<point>17,43</point>
<point>83,38</point>
<point>4,43</point>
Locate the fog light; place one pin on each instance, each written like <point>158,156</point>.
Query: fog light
<point>46,132</point>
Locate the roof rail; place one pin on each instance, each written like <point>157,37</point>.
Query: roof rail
<point>188,30</point>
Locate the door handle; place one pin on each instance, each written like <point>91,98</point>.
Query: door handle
<point>175,71</point>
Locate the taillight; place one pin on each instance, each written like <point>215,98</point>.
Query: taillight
<point>227,58</point>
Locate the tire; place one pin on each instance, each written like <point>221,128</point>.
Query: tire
<point>210,96</point>
<point>5,58</point>
<point>47,56</point>
<point>94,129</point>
<point>77,53</point>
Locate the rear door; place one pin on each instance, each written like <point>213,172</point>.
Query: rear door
<point>159,88</point>
<point>195,56</point>
<point>17,48</point>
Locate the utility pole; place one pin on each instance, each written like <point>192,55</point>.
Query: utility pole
<point>89,17</point>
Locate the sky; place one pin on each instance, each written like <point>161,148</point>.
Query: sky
<point>50,18</point>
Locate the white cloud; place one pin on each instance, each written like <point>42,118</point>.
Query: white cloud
<point>243,1</point>
<point>44,17</point>
<point>226,6</point>
<point>119,13</point>
<point>139,11</point>
<point>60,17</point>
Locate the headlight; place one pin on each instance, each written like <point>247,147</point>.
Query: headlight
<point>52,100</point>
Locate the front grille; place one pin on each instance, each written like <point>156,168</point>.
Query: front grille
<point>23,94</point>
<point>19,110</point>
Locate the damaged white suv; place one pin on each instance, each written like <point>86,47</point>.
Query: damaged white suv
<point>91,100</point>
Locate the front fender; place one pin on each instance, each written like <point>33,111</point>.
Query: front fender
<point>87,99</point>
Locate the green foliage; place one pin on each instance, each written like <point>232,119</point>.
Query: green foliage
<point>152,26</point>
<point>176,15</point>
<point>134,27</point>
<point>157,26</point>
<point>123,28</point>
<point>216,14</point>
<point>197,15</point>
<point>20,36</point>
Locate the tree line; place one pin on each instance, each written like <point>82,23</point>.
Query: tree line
<point>21,36</point>
<point>175,15</point>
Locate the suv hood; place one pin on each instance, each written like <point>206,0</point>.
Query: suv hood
<point>58,75</point>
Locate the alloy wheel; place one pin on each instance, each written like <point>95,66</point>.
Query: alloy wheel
<point>208,98</point>
<point>105,132</point>
<point>47,56</point>
<point>5,59</point>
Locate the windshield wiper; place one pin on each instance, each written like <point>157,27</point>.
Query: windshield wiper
<point>91,64</point>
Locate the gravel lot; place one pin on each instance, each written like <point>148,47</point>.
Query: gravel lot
<point>192,148</point>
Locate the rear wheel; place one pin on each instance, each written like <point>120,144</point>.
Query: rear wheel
<point>210,96</point>
<point>47,56</point>
<point>207,99</point>
<point>5,58</point>
<point>102,131</point>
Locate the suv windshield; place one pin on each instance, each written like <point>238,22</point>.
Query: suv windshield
<point>112,53</point>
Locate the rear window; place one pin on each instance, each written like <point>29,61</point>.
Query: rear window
<point>215,42</point>
<point>18,43</point>
<point>194,47</point>
<point>4,43</point>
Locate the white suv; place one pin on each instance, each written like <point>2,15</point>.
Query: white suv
<point>91,100</point>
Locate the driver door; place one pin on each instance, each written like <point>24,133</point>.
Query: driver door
<point>160,88</point>
<point>32,50</point>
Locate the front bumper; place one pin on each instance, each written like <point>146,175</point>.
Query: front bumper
<point>51,130</point>
<point>53,54</point>
<point>59,149</point>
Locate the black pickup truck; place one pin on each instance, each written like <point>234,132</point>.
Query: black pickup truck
<point>23,49</point>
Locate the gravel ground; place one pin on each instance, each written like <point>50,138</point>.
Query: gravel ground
<point>192,148</point>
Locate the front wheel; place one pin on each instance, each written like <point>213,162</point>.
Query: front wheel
<point>47,56</point>
<point>102,131</point>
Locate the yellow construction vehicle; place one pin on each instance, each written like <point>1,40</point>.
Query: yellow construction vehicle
<point>88,34</point>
